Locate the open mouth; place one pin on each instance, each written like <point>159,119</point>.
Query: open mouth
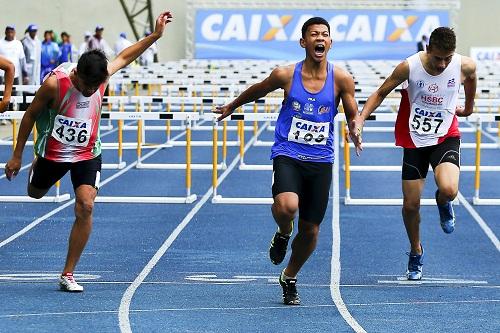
<point>319,50</point>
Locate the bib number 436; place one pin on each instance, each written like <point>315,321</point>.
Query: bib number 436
<point>72,132</point>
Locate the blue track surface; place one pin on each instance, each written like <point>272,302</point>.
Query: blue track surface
<point>204,267</point>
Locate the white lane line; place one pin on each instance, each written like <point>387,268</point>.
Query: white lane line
<point>124,309</point>
<point>58,209</point>
<point>35,223</point>
<point>277,307</point>
<point>335,263</point>
<point>491,235</point>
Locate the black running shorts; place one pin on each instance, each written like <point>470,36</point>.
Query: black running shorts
<point>46,173</point>
<point>416,160</point>
<point>310,180</point>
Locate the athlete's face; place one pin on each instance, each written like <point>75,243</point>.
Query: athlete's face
<point>439,59</point>
<point>317,41</point>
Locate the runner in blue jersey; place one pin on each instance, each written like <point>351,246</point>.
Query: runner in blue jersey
<point>302,153</point>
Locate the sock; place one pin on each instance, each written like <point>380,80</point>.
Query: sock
<point>286,277</point>
<point>291,230</point>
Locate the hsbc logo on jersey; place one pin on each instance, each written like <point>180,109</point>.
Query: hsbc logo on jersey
<point>431,99</point>
<point>81,105</point>
<point>433,88</point>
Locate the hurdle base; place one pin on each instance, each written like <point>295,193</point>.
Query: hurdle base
<point>255,167</point>
<point>118,166</point>
<point>245,201</point>
<point>485,202</point>
<point>260,143</point>
<point>177,166</point>
<point>25,198</point>
<point>388,202</point>
<point>148,200</point>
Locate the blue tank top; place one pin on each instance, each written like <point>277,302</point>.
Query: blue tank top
<point>304,129</point>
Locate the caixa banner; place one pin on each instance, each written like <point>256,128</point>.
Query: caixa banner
<point>275,34</point>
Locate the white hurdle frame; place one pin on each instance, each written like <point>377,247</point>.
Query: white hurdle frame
<point>476,200</point>
<point>58,197</point>
<point>475,117</point>
<point>219,199</point>
<point>140,117</point>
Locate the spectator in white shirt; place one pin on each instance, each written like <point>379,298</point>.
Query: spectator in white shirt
<point>148,56</point>
<point>12,49</point>
<point>32,50</point>
<point>98,42</point>
<point>122,43</point>
<point>85,45</point>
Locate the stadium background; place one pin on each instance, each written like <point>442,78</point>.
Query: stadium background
<point>476,22</point>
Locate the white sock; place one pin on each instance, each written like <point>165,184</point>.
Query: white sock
<point>286,277</point>
<point>291,230</point>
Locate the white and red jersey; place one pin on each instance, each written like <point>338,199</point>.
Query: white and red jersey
<point>426,114</point>
<point>70,133</point>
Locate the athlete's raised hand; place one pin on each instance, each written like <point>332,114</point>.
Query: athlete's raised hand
<point>162,20</point>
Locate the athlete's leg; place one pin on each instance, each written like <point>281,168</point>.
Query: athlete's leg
<point>303,246</point>
<point>284,209</point>
<point>85,176</point>
<point>446,176</point>
<point>412,192</point>
<point>43,174</point>
<point>84,205</point>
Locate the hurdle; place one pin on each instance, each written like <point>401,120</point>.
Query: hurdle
<point>217,198</point>
<point>140,117</point>
<point>476,200</point>
<point>348,168</point>
<point>58,197</point>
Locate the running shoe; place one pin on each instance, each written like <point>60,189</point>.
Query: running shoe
<point>277,250</point>
<point>446,216</point>
<point>415,263</point>
<point>68,283</point>
<point>290,294</point>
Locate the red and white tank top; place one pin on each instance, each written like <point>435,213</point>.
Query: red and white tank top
<point>426,114</point>
<point>71,132</point>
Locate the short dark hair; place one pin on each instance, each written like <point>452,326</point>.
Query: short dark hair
<point>314,20</point>
<point>92,67</point>
<point>443,38</point>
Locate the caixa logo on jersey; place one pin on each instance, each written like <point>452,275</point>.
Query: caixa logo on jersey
<point>72,123</point>
<point>427,113</point>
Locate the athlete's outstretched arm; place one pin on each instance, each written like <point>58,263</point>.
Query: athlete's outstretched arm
<point>345,83</point>
<point>135,50</point>
<point>470,83</point>
<point>9,69</point>
<point>43,98</point>
<point>277,79</point>
<point>400,74</point>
